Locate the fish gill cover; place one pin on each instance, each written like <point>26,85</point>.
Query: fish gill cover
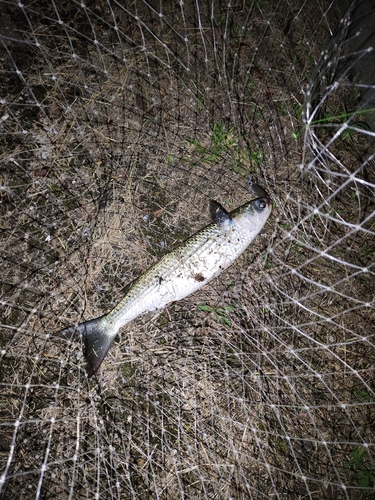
<point>119,122</point>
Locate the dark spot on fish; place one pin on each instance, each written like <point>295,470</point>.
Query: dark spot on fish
<point>160,279</point>
<point>199,277</point>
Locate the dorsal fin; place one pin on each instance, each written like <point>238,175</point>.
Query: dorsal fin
<point>218,213</point>
<point>255,188</point>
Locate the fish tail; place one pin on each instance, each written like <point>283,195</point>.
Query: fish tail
<point>97,338</point>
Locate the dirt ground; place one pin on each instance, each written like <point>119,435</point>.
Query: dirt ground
<point>118,125</point>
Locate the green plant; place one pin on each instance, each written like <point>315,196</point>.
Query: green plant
<point>284,225</point>
<point>199,94</point>
<point>220,314</point>
<point>364,396</point>
<point>224,141</point>
<point>362,466</point>
<point>337,120</point>
<point>299,245</point>
<point>367,249</point>
<point>251,85</point>
<point>297,109</point>
<point>268,264</point>
<point>233,28</point>
<point>350,130</point>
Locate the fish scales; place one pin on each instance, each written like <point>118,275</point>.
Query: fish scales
<point>178,274</point>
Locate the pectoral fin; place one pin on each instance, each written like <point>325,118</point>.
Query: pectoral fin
<point>218,213</point>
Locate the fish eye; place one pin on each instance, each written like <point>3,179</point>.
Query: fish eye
<point>261,203</point>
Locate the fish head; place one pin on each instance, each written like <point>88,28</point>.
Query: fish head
<point>253,215</point>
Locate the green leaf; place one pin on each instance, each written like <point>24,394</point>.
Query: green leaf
<point>203,307</point>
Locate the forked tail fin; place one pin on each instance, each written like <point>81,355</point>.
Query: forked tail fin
<point>97,339</point>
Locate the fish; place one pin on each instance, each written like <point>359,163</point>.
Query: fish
<point>183,271</point>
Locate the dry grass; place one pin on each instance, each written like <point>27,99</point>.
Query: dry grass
<point>266,401</point>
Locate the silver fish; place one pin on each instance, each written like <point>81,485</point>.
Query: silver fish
<point>178,274</point>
